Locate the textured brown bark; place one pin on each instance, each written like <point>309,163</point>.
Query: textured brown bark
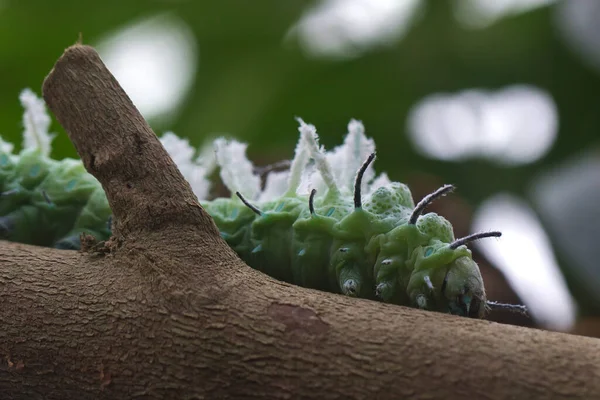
<point>167,311</point>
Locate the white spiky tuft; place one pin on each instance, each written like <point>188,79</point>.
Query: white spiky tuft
<point>349,157</point>
<point>207,158</point>
<point>197,178</point>
<point>357,148</point>
<point>237,172</point>
<point>297,167</point>
<point>36,123</point>
<point>344,161</point>
<point>308,181</point>
<point>381,180</point>
<point>194,172</point>
<point>276,185</point>
<point>179,149</point>
<point>309,135</point>
<point>6,147</point>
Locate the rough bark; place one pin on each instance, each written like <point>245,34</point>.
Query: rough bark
<point>165,310</point>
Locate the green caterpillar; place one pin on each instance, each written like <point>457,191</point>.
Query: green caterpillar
<point>361,236</point>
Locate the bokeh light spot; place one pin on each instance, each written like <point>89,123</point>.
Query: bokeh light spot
<point>524,255</point>
<point>577,22</point>
<point>483,13</point>
<point>567,200</point>
<point>155,61</point>
<point>346,28</point>
<point>513,126</point>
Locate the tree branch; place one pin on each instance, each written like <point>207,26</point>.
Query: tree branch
<point>173,314</point>
<point>118,147</point>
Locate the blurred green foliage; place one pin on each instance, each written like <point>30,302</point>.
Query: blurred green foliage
<point>251,86</point>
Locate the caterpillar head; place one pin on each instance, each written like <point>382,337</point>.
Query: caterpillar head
<point>462,288</point>
<point>446,279</point>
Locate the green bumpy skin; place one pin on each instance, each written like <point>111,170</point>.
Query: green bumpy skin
<point>369,252</point>
<point>46,202</point>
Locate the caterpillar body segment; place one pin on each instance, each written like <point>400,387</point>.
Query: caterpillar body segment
<point>312,244</point>
<point>271,236</point>
<point>94,219</point>
<point>43,199</point>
